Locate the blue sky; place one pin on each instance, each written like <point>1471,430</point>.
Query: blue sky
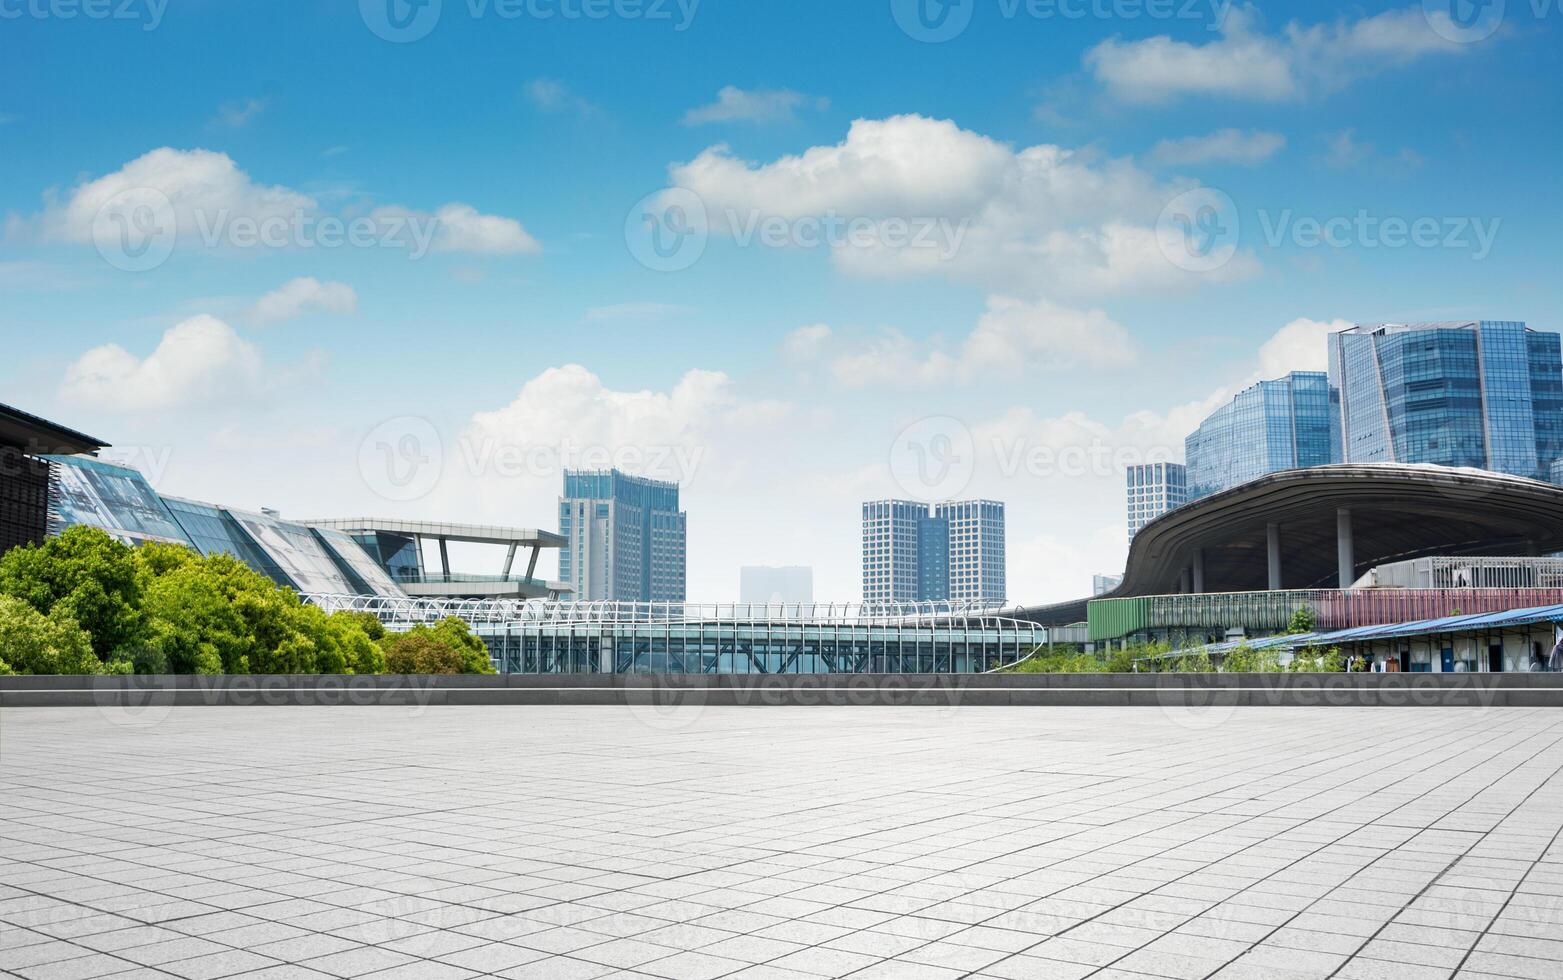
<point>1060,323</point>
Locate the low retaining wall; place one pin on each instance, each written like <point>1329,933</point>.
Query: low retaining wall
<point>1038,690</point>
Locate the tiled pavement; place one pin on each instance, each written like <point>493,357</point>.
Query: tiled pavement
<point>781,843</point>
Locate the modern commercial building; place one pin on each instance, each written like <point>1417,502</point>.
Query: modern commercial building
<point>775,585</point>
<point>338,557</point>
<point>1478,393</point>
<point>1103,584</point>
<point>626,537</point>
<point>976,549</point>
<point>398,546</point>
<point>1268,427</point>
<point>25,441</point>
<point>953,551</point>
<point>1154,489</point>
<point>690,638</point>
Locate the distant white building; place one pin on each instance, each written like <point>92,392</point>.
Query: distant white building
<point>774,584</point>
<point>1103,584</point>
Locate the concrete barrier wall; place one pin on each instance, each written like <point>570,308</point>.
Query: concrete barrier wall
<point>674,690</point>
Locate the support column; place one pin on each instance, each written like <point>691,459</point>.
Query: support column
<point>531,563</point>
<point>444,560</point>
<point>510,558</point>
<point>1184,583</point>
<point>1199,570</point>
<point>1344,554</point>
<point>1273,549</point>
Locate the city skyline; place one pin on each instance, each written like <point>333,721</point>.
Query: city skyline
<point>509,318</point>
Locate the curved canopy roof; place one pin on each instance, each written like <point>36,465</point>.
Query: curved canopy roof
<point>1398,512</point>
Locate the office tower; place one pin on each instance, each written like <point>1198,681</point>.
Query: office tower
<point>976,548</point>
<point>1154,489</point>
<point>626,537</point>
<point>914,553</point>
<point>1103,584</point>
<point>1271,426</point>
<point>770,585</point>
<point>1479,393</point>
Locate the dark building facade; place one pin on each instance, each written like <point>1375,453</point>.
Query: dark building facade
<point>24,477</point>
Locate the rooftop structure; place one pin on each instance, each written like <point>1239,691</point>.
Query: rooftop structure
<point>398,546</point>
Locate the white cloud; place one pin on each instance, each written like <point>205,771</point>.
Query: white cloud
<point>236,115</point>
<point>1012,337</point>
<point>209,193</point>
<point>199,361</point>
<point>1247,63</point>
<point>1223,146</point>
<point>196,182</point>
<point>1044,219</point>
<point>299,295</point>
<point>462,228</point>
<point>552,95</point>
<point>635,311</point>
<point>806,343</point>
<point>1301,345</point>
<point>1343,151</point>
<point>734,104</point>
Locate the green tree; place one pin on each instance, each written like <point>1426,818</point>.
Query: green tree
<point>34,643</point>
<point>448,647</point>
<point>1303,621</point>
<point>86,575</point>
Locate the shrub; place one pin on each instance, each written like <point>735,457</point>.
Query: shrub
<point>420,652</point>
<point>37,644</point>
<point>86,575</point>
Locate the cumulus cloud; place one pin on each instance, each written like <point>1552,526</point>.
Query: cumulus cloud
<point>1247,63</point>
<point>1012,337</point>
<point>199,361</point>
<point>734,104</point>
<point>1223,146</point>
<point>1044,219</point>
<point>199,184</point>
<point>210,197</point>
<point>297,296</point>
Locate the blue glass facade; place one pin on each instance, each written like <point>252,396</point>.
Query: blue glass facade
<point>1272,426</point>
<point>627,537</point>
<point>116,499</point>
<point>1485,394</point>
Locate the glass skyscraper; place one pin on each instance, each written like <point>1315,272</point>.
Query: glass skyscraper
<point>912,553</point>
<point>1153,489</point>
<point>1271,426</point>
<point>626,537</point>
<point>1480,393</point>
